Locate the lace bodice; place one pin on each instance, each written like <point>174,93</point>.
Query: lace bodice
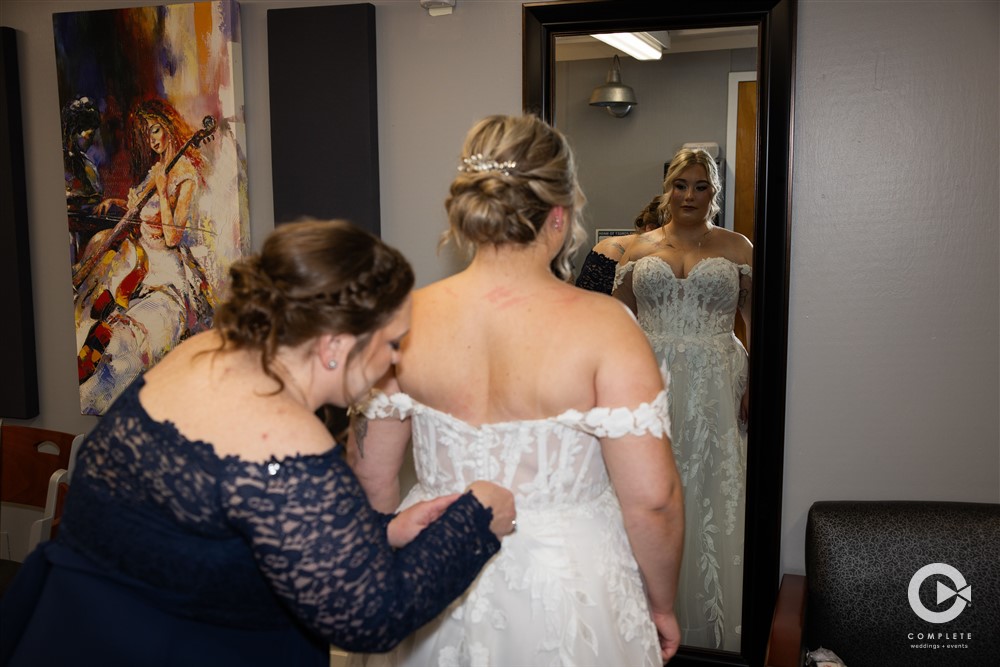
<point>565,589</point>
<point>232,542</point>
<point>547,463</point>
<point>703,304</point>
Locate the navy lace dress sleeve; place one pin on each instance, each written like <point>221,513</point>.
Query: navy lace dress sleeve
<point>597,273</point>
<point>324,551</point>
<point>168,554</point>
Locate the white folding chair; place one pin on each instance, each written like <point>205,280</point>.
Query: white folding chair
<point>42,529</point>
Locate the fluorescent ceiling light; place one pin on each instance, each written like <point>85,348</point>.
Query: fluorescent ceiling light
<point>636,45</point>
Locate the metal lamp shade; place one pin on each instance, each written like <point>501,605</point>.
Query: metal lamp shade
<point>614,96</point>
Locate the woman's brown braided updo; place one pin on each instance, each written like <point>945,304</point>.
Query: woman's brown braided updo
<point>312,278</point>
<point>497,206</point>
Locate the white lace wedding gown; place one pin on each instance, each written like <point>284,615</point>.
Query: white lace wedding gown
<point>689,322</point>
<point>565,588</point>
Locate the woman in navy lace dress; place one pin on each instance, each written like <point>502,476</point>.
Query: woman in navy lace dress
<point>598,271</point>
<point>212,520</point>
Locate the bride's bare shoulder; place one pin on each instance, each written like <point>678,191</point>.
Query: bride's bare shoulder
<point>735,246</point>
<point>602,314</point>
<point>644,244</point>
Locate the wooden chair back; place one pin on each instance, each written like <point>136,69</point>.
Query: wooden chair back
<point>28,457</point>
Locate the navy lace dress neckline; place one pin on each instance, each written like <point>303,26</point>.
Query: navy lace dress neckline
<point>284,553</point>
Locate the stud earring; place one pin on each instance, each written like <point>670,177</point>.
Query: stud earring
<point>332,364</point>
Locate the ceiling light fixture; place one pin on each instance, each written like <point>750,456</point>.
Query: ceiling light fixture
<point>636,44</point>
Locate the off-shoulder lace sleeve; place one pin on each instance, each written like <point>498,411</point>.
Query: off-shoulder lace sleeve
<point>620,273</point>
<point>383,406</point>
<point>325,552</point>
<point>651,418</point>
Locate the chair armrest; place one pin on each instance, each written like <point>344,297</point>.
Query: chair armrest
<point>41,530</point>
<point>784,646</point>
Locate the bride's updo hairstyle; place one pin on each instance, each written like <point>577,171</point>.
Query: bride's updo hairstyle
<point>312,278</point>
<point>513,171</point>
<point>684,158</point>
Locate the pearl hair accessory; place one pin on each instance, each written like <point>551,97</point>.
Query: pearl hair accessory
<point>332,364</point>
<point>477,163</point>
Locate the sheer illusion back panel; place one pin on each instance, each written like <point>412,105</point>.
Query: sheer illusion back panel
<point>565,588</point>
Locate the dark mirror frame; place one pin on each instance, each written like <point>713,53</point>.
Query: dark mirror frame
<point>775,20</point>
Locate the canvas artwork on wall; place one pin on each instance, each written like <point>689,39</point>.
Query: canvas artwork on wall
<point>153,143</point>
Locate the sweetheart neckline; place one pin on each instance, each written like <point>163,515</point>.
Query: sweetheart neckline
<point>697,264</point>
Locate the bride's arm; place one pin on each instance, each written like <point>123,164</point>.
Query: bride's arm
<point>375,452</point>
<point>644,474</point>
<point>623,286</point>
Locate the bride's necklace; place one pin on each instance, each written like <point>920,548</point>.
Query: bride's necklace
<point>701,239</point>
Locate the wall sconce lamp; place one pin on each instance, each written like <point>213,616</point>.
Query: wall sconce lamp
<point>438,7</point>
<point>614,95</point>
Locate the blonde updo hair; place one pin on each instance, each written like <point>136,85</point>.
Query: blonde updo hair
<point>312,278</point>
<point>684,158</point>
<point>509,204</point>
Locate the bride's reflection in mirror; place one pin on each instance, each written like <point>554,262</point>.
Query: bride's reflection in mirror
<point>688,281</point>
<point>685,282</point>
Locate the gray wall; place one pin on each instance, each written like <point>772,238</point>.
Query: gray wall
<point>893,366</point>
<point>893,345</point>
<point>681,98</point>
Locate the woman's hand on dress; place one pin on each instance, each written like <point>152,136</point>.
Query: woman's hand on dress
<point>501,501</point>
<point>669,633</point>
<point>410,522</point>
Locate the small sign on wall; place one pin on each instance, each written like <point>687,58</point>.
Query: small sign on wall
<point>605,233</point>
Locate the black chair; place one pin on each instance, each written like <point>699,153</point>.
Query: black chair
<point>894,583</point>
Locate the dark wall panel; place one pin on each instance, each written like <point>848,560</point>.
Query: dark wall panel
<point>324,116</point>
<point>18,372</point>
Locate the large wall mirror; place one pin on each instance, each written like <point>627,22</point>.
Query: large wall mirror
<point>720,52</point>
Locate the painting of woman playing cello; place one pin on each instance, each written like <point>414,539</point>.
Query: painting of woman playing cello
<point>144,291</point>
<point>151,247</point>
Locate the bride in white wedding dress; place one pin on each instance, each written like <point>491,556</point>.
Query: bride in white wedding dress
<point>685,282</point>
<point>505,375</point>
